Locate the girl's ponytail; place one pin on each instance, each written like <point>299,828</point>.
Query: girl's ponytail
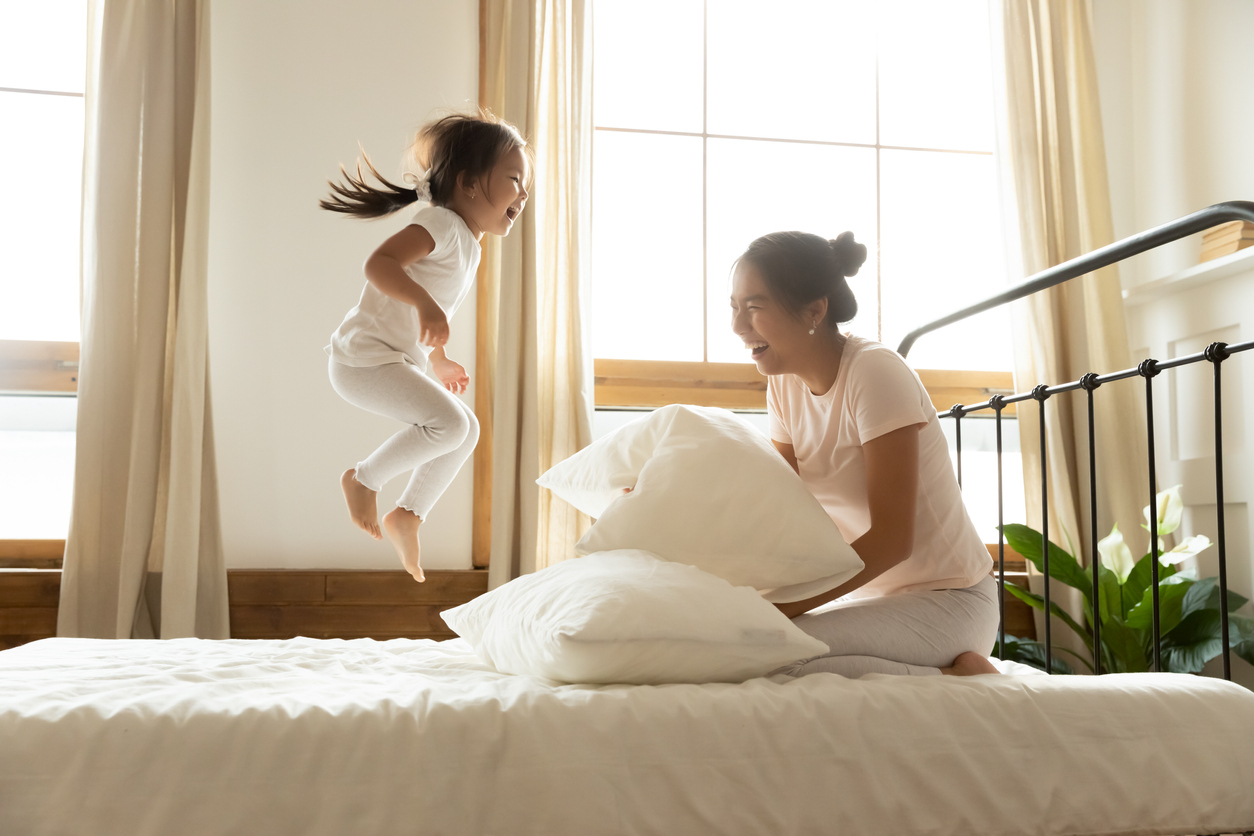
<point>456,145</point>
<point>362,200</point>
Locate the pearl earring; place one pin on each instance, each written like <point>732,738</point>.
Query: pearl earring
<point>812,327</point>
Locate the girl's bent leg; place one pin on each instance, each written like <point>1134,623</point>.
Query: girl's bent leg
<point>432,479</point>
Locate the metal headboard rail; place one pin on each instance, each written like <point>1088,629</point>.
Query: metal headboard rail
<point>1215,353</point>
<point>1220,213</point>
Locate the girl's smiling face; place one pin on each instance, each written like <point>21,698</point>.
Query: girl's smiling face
<point>497,200</point>
<point>775,337</point>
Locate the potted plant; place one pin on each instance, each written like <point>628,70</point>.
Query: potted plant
<point>1189,618</point>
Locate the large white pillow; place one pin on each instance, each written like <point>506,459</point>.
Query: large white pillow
<point>626,616</point>
<point>708,490</point>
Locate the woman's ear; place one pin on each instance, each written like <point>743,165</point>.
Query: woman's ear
<point>815,312</point>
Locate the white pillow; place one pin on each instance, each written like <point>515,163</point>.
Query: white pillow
<point>709,490</point>
<point>626,616</point>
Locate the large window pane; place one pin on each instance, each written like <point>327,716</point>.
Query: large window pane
<point>935,74</point>
<point>39,217</point>
<point>648,64</point>
<point>759,187</point>
<point>43,45</point>
<point>37,463</point>
<point>795,69</point>
<point>941,250</point>
<point>646,239</point>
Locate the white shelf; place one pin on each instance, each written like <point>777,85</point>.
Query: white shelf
<point>1233,264</point>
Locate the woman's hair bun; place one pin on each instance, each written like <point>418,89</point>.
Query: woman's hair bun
<point>849,254</point>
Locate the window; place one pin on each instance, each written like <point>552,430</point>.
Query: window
<point>717,121</point>
<point>42,74</point>
<point>736,118</point>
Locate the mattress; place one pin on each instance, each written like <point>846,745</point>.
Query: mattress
<point>305,736</point>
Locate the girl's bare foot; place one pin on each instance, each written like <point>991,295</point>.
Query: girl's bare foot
<point>361,503</point>
<point>402,528</point>
<point>970,664</point>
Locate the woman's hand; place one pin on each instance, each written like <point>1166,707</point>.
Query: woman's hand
<point>452,374</point>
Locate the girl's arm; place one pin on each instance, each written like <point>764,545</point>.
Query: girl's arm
<point>892,483</point>
<point>385,270</point>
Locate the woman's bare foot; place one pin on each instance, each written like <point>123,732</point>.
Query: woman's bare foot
<point>402,528</point>
<point>361,503</point>
<point>970,664</point>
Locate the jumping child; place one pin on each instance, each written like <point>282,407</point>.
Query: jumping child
<point>474,175</point>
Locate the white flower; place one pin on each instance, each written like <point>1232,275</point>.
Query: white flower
<point>420,183</point>
<point>1170,509</point>
<point>1187,548</point>
<point>1116,556</point>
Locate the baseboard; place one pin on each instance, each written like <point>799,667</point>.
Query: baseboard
<point>278,603</point>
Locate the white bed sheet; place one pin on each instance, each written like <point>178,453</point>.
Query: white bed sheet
<point>360,737</point>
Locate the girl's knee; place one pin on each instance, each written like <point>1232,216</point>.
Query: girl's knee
<point>472,429</point>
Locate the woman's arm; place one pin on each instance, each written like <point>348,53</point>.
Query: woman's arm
<point>789,453</point>
<point>892,484</point>
<point>385,270</point>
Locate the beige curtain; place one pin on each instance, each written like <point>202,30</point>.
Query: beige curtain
<point>534,395</point>
<point>1057,207</point>
<point>144,558</point>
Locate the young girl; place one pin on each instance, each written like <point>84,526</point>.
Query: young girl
<point>857,425</point>
<point>475,171</point>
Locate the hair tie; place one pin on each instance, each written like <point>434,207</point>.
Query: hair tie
<point>420,183</point>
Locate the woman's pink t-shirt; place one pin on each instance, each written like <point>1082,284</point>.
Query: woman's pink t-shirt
<point>875,393</point>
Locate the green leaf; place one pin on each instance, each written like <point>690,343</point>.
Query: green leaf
<point>1205,595</point>
<point>1062,566</point>
<point>1110,594</point>
<point>1193,643</point>
<point>1038,602</point>
<point>1139,580</point>
<point>1125,647</point>
<point>1241,637</point>
<point>1171,594</point>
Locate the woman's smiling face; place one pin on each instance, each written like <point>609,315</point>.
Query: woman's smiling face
<point>775,337</point>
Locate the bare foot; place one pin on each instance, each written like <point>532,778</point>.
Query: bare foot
<point>970,664</point>
<point>361,506</point>
<point>402,528</point>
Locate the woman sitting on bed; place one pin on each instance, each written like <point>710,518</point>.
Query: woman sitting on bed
<point>856,424</point>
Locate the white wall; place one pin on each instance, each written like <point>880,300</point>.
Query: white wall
<point>1178,114</point>
<point>296,85</point>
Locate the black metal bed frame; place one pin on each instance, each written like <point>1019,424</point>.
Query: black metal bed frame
<point>1215,354</point>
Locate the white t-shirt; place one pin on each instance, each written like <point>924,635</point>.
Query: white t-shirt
<point>386,330</point>
<point>875,393</point>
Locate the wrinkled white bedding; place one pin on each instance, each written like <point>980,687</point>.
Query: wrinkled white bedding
<point>360,737</point>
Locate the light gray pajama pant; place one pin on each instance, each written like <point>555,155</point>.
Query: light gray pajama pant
<point>441,435</point>
<point>914,633</point>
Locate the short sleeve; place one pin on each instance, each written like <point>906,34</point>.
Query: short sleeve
<point>776,412</point>
<point>884,394</point>
<point>436,221</point>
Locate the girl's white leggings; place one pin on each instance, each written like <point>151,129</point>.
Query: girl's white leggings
<point>915,633</point>
<point>441,435</point>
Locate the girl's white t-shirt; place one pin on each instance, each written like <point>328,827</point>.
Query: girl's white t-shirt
<point>875,393</point>
<point>381,329</point>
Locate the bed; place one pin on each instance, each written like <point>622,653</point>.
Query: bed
<point>335,737</point>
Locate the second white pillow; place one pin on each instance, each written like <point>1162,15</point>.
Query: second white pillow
<point>709,491</point>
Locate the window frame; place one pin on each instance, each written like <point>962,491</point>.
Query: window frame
<point>640,383</point>
<point>37,367</point>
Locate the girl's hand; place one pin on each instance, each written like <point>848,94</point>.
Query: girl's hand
<point>433,324</point>
<point>450,373</point>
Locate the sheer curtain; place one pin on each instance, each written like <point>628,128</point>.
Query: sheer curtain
<point>1056,203</point>
<point>534,389</point>
<point>143,556</point>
